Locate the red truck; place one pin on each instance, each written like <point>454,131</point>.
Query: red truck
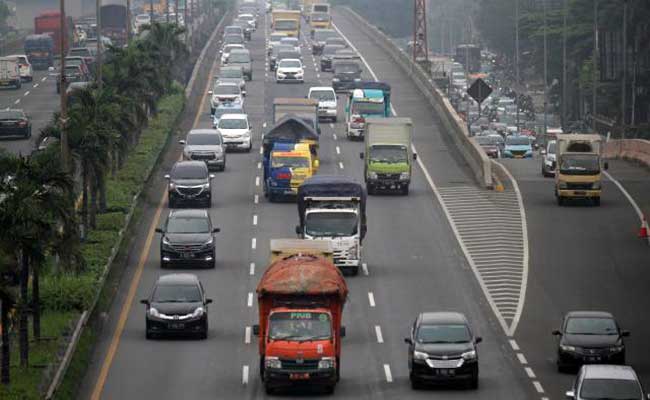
<point>300,298</point>
<point>49,23</point>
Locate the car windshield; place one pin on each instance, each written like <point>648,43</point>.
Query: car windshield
<point>331,49</point>
<point>176,294</point>
<point>610,389</point>
<point>322,95</point>
<point>452,333</point>
<point>388,154</point>
<point>71,70</point>
<point>276,37</point>
<point>76,62</point>
<point>280,48</point>
<point>487,140</point>
<point>300,326</point>
<point>203,139</point>
<point>226,110</point>
<point>231,73</point>
<point>591,326</point>
<point>10,114</point>
<point>233,30</point>
<point>331,224</point>
<point>290,162</point>
<point>580,164</point>
<point>290,64</point>
<point>346,69</point>
<point>551,147</point>
<point>285,25</point>
<point>233,39</point>
<point>226,89</point>
<point>321,36</point>
<point>188,225</point>
<point>290,41</point>
<point>517,141</point>
<point>234,123</point>
<point>365,108</point>
<point>185,171</point>
<point>320,17</point>
<point>239,58</point>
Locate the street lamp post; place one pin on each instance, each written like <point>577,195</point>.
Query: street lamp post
<point>624,77</point>
<point>545,73</point>
<point>564,66</point>
<point>517,60</point>
<point>594,62</point>
<point>65,150</point>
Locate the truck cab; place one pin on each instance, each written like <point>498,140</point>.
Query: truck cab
<point>579,167</point>
<point>290,164</point>
<point>367,100</point>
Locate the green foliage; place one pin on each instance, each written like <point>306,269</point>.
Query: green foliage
<point>113,221</point>
<point>67,292</point>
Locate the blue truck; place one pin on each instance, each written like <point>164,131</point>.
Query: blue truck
<point>367,99</point>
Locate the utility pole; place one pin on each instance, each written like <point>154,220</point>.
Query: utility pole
<point>128,20</point>
<point>565,84</point>
<point>517,59</point>
<point>176,11</point>
<point>65,150</point>
<point>167,10</point>
<point>624,80</point>
<point>545,73</point>
<point>150,12</point>
<point>100,44</point>
<point>188,25</point>
<point>594,62</point>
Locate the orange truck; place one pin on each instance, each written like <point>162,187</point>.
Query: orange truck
<point>300,300</point>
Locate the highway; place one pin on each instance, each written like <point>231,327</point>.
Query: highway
<point>421,254</point>
<point>39,100</point>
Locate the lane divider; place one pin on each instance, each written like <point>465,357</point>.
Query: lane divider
<point>371,299</point>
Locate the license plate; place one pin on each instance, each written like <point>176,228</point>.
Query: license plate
<point>579,193</point>
<point>187,255</point>
<point>593,359</point>
<point>299,377</point>
<point>176,325</point>
<point>446,372</point>
<point>519,156</point>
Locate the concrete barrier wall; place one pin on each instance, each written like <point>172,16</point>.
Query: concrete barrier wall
<point>630,149</point>
<point>455,127</point>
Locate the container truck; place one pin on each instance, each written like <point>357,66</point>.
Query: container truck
<point>579,167</point>
<point>366,100</point>
<point>388,157</point>
<point>287,21</point>
<point>39,49</point>
<point>334,207</point>
<point>49,23</point>
<point>300,301</point>
<point>114,21</point>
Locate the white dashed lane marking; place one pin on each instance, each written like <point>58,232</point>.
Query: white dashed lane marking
<point>252,269</point>
<point>17,101</point>
<point>389,375</point>
<point>364,268</point>
<point>371,299</point>
<point>255,219</point>
<point>249,302</point>
<point>244,376</point>
<point>522,359</point>
<point>338,150</point>
<point>247,335</point>
<point>26,93</point>
<point>340,165</point>
<point>257,181</point>
<point>380,337</point>
<point>253,243</point>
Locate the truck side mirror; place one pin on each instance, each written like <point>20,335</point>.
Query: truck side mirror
<point>361,156</point>
<point>556,333</point>
<point>342,331</point>
<point>144,301</point>
<point>298,231</point>
<point>606,166</point>
<point>256,330</point>
<point>316,163</point>
<point>408,340</point>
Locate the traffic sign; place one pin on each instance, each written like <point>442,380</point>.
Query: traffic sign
<point>479,90</point>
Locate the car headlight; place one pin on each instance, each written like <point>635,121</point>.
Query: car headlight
<point>616,349</point>
<point>562,185</point>
<point>281,75</point>
<point>372,175</point>
<point>209,242</point>
<point>596,186</point>
<point>327,363</point>
<point>469,355</point>
<point>418,355</point>
<point>198,312</point>
<point>354,252</point>
<point>205,186</point>
<point>172,186</point>
<point>272,362</point>
<point>335,79</point>
<point>166,241</point>
<point>153,312</point>
<point>357,79</point>
<point>567,348</point>
<point>404,176</point>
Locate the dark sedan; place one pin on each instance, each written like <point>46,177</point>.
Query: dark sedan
<point>275,51</point>
<point>328,55</point>
<point>15,123</point>
<point>177,305</point>
<point>442,348</point>
<point>189,182</point>
<point>589,337</point>
<point>187,239</point>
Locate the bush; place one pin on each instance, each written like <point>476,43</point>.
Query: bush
<point>67,292</point>
<point>113,221</point>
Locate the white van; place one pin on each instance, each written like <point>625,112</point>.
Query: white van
<point>10,72</point>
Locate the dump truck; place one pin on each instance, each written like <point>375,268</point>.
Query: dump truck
<point>334,207</point>
<point>579,167</point>
<point>286,21</point>
<point>388,154</point>
<point>366,100</point>
<point>300,301</point>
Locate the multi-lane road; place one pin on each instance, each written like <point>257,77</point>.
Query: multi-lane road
<point>513,262</point>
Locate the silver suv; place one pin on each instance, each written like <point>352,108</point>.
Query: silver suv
<point>205,145</point>
<point>607,382</point>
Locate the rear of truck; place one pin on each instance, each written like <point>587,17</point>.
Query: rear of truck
<point>10,72</point>
<point>287,21</point>
<point>300,301</point>
<point>579,168</point>
<point>364,104</point>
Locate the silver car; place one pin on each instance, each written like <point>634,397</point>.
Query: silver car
<point>549,159</point>
<point>606,381</point>
<point>205,145</point>
<point>233,74</point>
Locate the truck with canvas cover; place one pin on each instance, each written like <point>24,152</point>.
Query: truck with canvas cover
<point>289,156</point>
<point>388,157</point>
<point>300,301</point>
<point>114,21</point>
<point>287,21</point>
<point>39,49</point>
<point>367,99</point>
<point>333,207</point>
<point>305,109</point>
<point>579,167</point>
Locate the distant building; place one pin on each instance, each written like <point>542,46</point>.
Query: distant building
<point>26,10</point>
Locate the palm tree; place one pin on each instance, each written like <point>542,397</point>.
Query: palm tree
<point>7,301</point>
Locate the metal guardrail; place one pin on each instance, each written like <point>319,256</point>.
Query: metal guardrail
<point>473,154</point>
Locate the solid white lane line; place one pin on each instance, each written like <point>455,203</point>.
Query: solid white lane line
<point>338,150</point>
<point>26,93</point>
<point>252,269</point>
<point>261,150</point>
<point>340,165</point>
<point>249,302</point>
<point>522,358</point>
<point>371,299</point>
<point>380,337</point>
<point>530,373</point>
<point>255,219</point>
<point>244,375</point>
<point>253,243</point>
<point>389,375</point>
<point>247,335</point>
<point>639,213</point>
<point>538,387</point>
<point>257,181</point>
<point>364,268</point>
<point>257,198</point>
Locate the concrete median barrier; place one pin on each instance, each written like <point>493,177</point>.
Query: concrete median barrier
<point>629,149</point>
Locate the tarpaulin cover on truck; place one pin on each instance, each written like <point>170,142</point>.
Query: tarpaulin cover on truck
<point>384,87</point>
<point>330,186</point>
<point>289,129</point>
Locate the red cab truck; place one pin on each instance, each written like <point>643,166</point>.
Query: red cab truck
<point>49,23</point>
<point>300,298</point>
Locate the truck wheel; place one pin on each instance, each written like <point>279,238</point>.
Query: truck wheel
<point>597,201</point>
<point>371,190</point>
<point>329,389</point>
<point>560,200</point>
<point>268,389</point>
<point>405,191</point>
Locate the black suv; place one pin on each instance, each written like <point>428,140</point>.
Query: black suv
<point>187,239</point>
<point>442,348</point>
<point>189,182</point>
<point>176,305</point>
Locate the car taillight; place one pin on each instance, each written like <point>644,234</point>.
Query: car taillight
<point>22,123</point>
<point>283,175</point>
<point>358,120</point>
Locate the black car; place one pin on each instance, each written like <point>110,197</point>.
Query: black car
<point>318,39</point>
<point>71,73</point>
<point>589,337</point>
<point>275,51</point>
<point>15,123</point>
<point>189,182</point>
<point>187,239</point>
<point>177,305</point>
<point>327,55</point>
<point>442,348</point>
<point>346,73</point>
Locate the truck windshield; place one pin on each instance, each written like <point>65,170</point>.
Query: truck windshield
<point>365,108</point>
<point>300,326</point>
<point>388,154</point>
<point>331,224</point>
<point>322,95</point>
<point>517,141</point>
<point>285,25</point>
<point>320,17</point>
<point>587,164</point>
<point>351,68</point>
<point>290,162</point>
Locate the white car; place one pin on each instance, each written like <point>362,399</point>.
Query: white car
<point>249,18</point>
<point>141,20</point>
<point>225,52</point>
<point>26,71</point>
<point>225,92</point>
<point>235,131</point>
<point>290,70</point>
<point>327,103</point>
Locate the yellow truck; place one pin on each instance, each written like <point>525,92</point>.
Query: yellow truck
<point>320,20</point>
<point>579,167</point>
<point>287,21</point>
